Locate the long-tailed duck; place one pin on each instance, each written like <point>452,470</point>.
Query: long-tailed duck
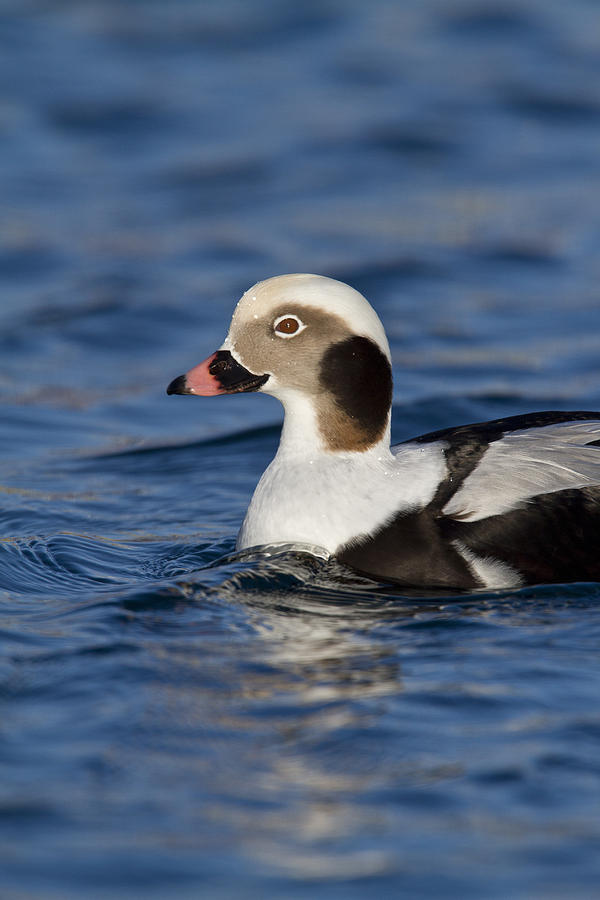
<point>497,504</point>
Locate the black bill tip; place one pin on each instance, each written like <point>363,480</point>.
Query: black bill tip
<point>179,386</point>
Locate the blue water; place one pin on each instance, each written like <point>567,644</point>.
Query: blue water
<point>179,721</point>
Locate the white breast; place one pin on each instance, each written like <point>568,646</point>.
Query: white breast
<point>327,499</point>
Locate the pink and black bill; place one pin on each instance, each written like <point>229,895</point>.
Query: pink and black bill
<point>219,374</point>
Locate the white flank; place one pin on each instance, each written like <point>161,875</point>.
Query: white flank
<point>526,463</point>
<point>492,573</point>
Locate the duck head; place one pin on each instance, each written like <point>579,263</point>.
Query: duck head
<point>319,347</point>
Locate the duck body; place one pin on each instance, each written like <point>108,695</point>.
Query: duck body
<point>497,504</point>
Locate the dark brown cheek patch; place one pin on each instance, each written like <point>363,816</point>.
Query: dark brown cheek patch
<point>357,375</point>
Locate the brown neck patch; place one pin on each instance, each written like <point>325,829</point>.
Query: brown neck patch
<point>357,377</point>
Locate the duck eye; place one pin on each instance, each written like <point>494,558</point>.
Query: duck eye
<point>287,326</point>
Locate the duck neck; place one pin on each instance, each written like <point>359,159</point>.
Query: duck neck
<point>322,428</point>
<point>313,495</point>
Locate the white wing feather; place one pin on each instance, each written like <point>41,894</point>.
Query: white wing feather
<point>526,463</point>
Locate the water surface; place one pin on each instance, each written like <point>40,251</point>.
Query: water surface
<point>179,721</point>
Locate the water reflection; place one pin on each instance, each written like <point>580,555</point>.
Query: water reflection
<point>316,627</point>
<point>296,710</point>
<point>334,710</point>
